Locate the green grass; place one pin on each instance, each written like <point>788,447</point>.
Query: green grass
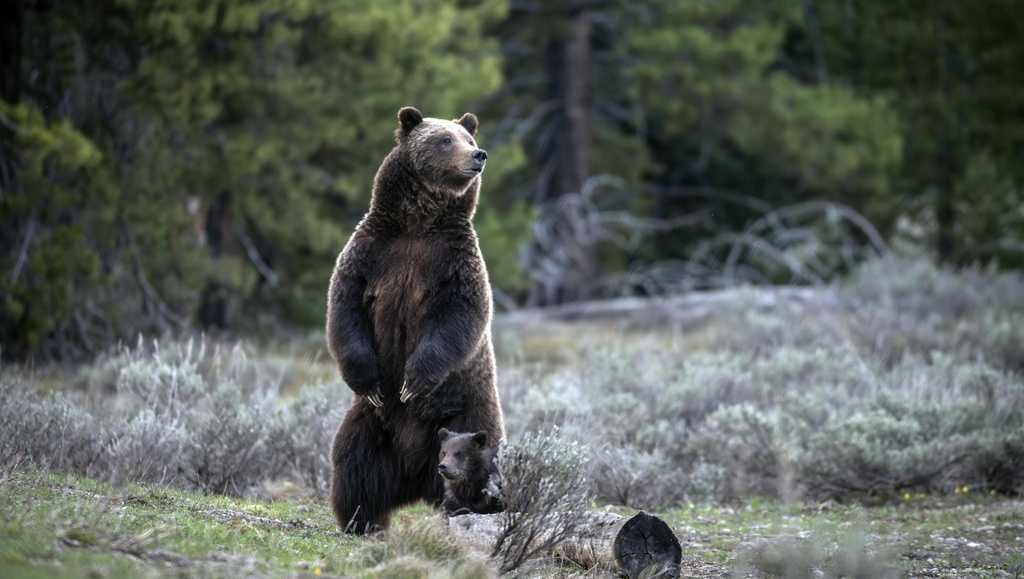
<point>65,526</point>
<point>70,526</point>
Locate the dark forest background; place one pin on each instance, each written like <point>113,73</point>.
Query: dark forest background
<point>169,165</point>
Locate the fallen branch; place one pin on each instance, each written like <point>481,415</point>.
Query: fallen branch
<point>686,308</point>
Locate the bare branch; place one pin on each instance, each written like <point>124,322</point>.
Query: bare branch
<point>253,253</point>
<point>26,242</point>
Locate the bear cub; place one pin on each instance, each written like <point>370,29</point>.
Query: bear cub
<point>472,483</point>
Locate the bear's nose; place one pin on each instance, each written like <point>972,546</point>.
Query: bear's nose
<point>480,155</point>
<point>442,467</point>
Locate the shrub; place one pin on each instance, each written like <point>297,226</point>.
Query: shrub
<point>637,478</point>
<point>146,448</point>
<point>892,444</point>
<point>792,558</point>
<point>874,390</point>
<point>303,431</point>
<point>920,288</point>
<point>899,306</point>
<point>182,413</point>
<point>227,449</point>
<point>908,377</point>
<point>546,497</point>
<point>47,431</point>
<point>748,447</point>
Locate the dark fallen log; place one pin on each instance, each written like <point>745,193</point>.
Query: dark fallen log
<point>646,543</point>
<point>639,545</point>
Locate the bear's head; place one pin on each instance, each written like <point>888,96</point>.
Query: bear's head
<point>461,454</point>
<point>443,154</point>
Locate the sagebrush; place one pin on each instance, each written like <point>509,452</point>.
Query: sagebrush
<point>545,496</point>
<point>907,377</point>
<point>179,413</point>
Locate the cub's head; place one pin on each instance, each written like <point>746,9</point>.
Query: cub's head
<point>461,454</point>
<point>443,153</point>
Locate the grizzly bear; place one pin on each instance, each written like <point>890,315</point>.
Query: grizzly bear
<point>472,483</point>
<point>409,323</point>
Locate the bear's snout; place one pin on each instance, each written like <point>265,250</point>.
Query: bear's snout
<point>479,159</point>
<point>444,471</point>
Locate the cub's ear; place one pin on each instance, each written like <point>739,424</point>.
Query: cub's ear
<point>443,434</point>
<point>469,122</point>
<point>480,438</point>
<point>409,118</point>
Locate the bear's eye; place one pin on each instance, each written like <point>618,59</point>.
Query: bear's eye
<point>458,455</point>
<point>447,140</point>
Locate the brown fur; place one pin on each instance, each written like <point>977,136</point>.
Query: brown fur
<point>410,304</point>
<point>470,473</point>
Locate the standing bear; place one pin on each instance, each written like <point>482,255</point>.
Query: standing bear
<point>409,323</point>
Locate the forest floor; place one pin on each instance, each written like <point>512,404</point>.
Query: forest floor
<point>59,525</point>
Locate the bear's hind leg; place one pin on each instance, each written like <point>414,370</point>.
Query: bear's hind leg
<point>365,480</point>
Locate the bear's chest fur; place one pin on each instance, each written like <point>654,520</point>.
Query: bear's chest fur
<point>403,280</point>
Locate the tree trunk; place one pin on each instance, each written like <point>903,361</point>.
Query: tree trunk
<point>566,156</point>
<point>567,68</point>
<point>945,222</point>
<point>945,208</point>
<point>578,97</point>
<point>11,24</point>
<point>11,21</point>
<point>213,303</point>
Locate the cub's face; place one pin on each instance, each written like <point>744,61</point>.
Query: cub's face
<point>461,453</point>
<point>444,154</point>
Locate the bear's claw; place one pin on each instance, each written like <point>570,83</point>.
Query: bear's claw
<point>375,399</point>
<point>405,395</point>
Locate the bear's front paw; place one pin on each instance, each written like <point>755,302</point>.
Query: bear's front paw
<point>413,388</point>
<point>375,397</point>
<point>360,372</point>
<point>369,390</point>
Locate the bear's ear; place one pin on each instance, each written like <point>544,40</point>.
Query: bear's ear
<point>443,434</point>
<point>480,438</point>
<point>469,122</point>
<point>409,118</point>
